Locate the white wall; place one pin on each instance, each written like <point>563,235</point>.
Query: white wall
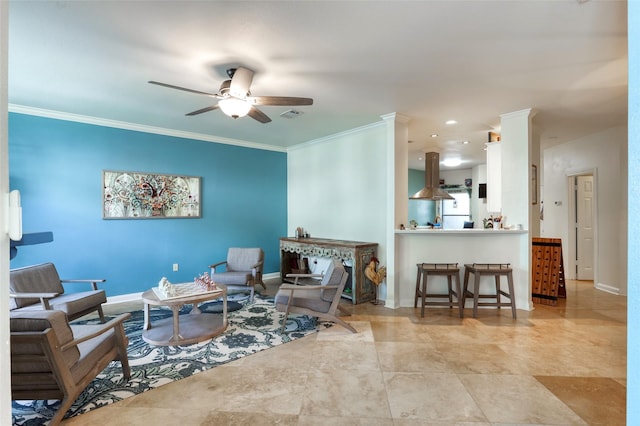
<point>455,177</point>
<point>516,166</point>
<point>605,154</point>
<point>397,164</point>
<point>337,188</point>
<point>478,205</point>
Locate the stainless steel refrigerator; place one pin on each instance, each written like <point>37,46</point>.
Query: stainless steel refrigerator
<point>457,211</point>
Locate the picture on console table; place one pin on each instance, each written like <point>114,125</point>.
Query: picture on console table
<point>140,195</point>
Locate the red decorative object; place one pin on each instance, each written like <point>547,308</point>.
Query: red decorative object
<point>205,282</point>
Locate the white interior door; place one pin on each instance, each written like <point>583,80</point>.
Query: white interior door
<point>584,227</point>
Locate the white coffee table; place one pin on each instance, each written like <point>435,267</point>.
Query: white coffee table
<point>183,329</point>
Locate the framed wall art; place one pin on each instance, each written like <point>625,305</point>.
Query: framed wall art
<point>140,195</point>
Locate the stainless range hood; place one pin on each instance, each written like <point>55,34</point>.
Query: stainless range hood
<point>431,190</point>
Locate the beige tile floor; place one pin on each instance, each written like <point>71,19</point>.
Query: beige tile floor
<point>555,365</point>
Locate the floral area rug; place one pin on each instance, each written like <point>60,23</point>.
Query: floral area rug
<point>252,328</point>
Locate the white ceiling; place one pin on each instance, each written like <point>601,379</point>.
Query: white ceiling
<point>429,60</point>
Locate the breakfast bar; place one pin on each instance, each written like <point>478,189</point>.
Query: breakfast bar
<point>463,246</point>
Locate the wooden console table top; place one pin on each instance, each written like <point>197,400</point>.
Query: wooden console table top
<point>328,242</point>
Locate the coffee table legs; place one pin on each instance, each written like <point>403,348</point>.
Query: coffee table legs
<point>175,311</point>
<point>176,338</point>
<point>147,321</point>
<point>183,329</point>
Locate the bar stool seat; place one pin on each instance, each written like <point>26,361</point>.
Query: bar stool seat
<point>450,270</point>
<point>497,270</point>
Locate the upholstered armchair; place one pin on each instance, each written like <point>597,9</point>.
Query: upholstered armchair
<point>321,300</point>
<point>242,269</point>
<point>39,287</point>
<point>51,359</point>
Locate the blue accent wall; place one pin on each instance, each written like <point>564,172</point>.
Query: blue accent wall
<point>57,166</point>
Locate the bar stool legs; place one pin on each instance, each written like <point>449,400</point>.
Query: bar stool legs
<point>497,270</point>
<point>451,271</point>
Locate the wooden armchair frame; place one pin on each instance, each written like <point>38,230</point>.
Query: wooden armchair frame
<point>310,297</point>
<point>26,283</point>
<point>44,368</point>
<point>237,271</point>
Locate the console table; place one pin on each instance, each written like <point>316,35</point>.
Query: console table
<point>359,288</point>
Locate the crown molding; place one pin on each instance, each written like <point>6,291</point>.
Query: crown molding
<point>335,136</point>
<point>20,109</point>
<point>396,116</point>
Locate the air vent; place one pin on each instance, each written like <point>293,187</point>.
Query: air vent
<point>292,113</point>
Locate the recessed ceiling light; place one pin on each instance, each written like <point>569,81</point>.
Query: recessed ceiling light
<point>450,122</point>
<point>434,135</point>
<point>466,142</point>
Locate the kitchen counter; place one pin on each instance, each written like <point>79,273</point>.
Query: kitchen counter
<point>468,231</point>
<point>462,246</point>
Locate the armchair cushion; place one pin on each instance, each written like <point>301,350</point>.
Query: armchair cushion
<point>92,350</point>
<point>320,301</point>
<point>332,277</point>
<point>21,321</point>
<point>39,287</point>
<point>232,277</point>
<point>71,302</point>
<point>243,259</point>
<point>51,359</point>
<point>242,269</point>
<point>34,279</point>
<point>303,297</point>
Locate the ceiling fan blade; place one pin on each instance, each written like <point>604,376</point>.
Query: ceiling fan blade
<point>171,86</point>
<point>256,114</point>
<point>279,100</point>
<point>241,82</point>
<point>200,111</point>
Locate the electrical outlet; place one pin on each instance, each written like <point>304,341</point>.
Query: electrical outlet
<point>175,267</point>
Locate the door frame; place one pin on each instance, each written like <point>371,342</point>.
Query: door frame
<point>570,259</point>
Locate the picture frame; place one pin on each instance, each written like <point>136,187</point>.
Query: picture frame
<point>145,195</point>
<point>534,184</point>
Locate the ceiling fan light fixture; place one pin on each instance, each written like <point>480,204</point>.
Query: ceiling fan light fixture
<point>452,162</point>
<point>234,107</point>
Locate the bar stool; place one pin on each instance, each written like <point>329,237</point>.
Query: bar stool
<point>497,270</point>
<point>450,270</point>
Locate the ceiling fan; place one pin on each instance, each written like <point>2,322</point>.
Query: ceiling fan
<point>235,100</point>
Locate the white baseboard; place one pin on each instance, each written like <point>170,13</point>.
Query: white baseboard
<point>133,297</point>
<point>124,298</point>
<point>270,276</point>
<point>608,288</point>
